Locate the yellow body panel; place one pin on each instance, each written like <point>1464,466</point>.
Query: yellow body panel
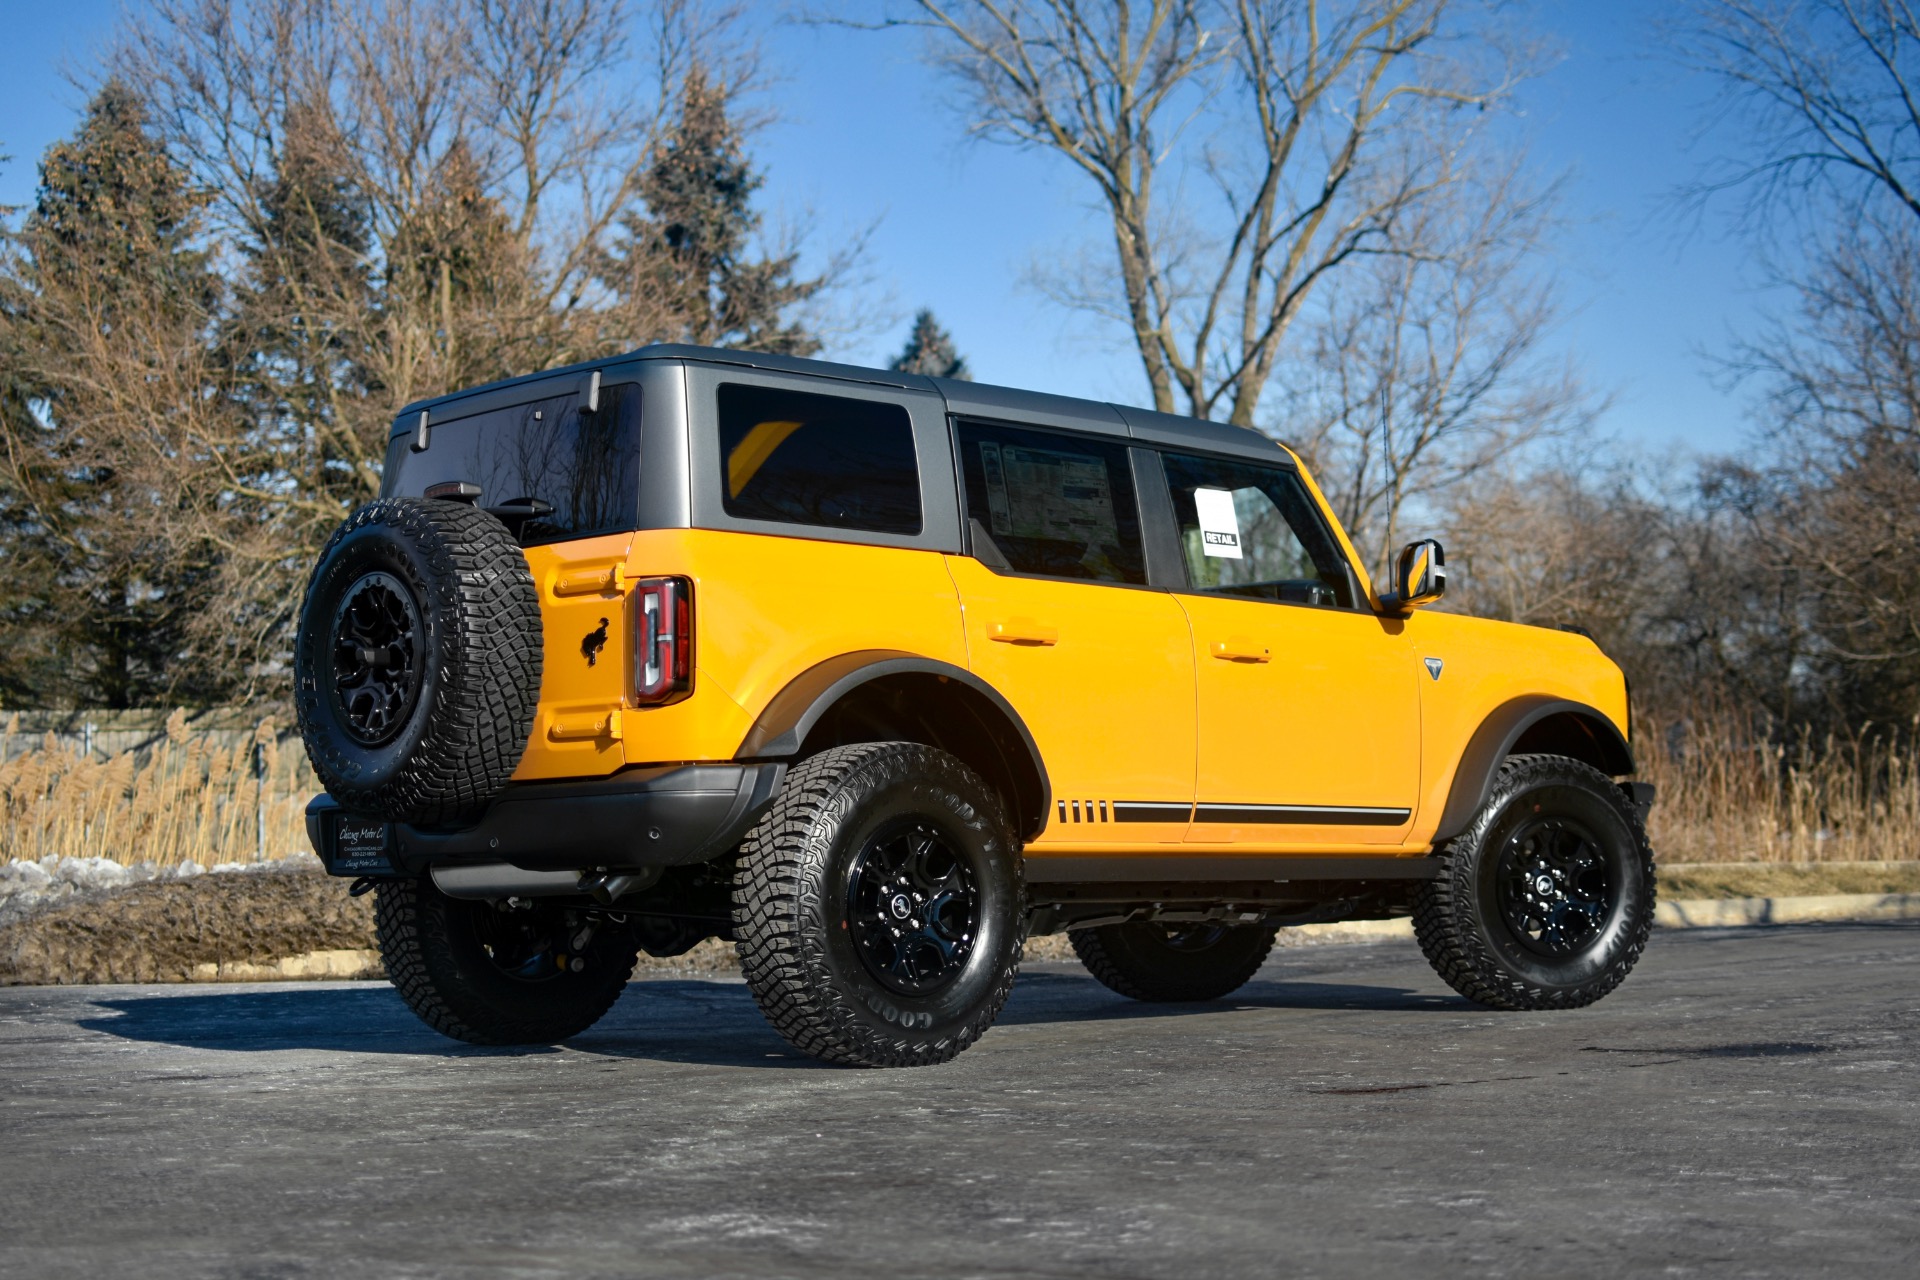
<point>1120,687</point>
<point>1303,706</point>
<point>1103,677</point>
<point>577,695</point>
<point>768,608</point>
<point>1485,664</point>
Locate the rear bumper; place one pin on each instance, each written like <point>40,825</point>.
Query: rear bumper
<point>650,817</point>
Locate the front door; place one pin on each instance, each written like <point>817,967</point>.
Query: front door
<point>1059,619</point>
<point>1309,728</point>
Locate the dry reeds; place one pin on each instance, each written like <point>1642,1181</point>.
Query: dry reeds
<point>1729,794</point>
<point>192,797</point>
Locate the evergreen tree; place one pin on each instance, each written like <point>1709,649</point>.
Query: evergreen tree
<point>930,351</point>
<point>304,312</point>
<point>106,312</point>
<point>687,265</point>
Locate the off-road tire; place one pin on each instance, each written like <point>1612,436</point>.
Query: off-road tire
<point>432,947</point>
<point>1458,918</point>
<point>478,661</point>
<point>791,906</point>
<point>1143,960</point>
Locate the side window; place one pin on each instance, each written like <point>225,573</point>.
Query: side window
<point>1054,505</point>
<point>1253,531</point>
<point>584,464</point>
<point>821,460</point>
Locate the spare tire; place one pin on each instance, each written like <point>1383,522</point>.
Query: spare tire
<point>417,663</point>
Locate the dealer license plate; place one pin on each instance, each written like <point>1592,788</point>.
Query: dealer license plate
<point>361,847</point>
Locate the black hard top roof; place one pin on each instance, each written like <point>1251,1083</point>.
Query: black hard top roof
<point>968,399</point>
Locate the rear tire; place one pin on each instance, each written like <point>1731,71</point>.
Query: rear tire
<point>878,907</point>
<point>1546,900</point>
<point>1173,964</point>
<point>492,975</point>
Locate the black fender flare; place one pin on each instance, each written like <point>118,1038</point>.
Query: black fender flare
<point>1494,741</point>
<point>782,727</point>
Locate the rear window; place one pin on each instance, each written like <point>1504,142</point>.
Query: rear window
<point>1052,505</point>
<point>584,463</point>
<point>798,458</point>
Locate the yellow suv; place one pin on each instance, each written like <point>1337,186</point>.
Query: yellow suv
<point>876,675</point>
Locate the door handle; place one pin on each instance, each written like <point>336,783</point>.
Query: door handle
<point>1239,649</point>
<point>1023,631</point>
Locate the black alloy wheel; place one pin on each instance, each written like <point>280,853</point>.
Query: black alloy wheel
<point>1191,938</point>
<point>912,907</point>
<point>1554,886</point>
<point>377,643</point>
<point>1173,962</point>
<point>500,973</point>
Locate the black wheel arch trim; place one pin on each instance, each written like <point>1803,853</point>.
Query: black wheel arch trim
<point>1496,738</point>
<point>782,727</point>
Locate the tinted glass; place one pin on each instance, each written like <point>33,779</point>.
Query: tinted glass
<point>1253,531</point>
<point>586,464</point>
<point>1060,506</point>
<point>820,460</point>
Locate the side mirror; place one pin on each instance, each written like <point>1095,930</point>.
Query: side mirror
<point>1419,578</point>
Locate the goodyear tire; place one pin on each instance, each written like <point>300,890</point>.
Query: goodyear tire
<point>878,907</point>
<point>417,663</point>
<point>1173,963</point>
<point>1545,901</point>
<point>494,974</point>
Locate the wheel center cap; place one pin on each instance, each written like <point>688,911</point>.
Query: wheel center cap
<point>901,906</point>
<point>1543,885</point>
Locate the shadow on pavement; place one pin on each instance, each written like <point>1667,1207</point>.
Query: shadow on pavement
<point>1075,997</point>
<point>670,1020</point>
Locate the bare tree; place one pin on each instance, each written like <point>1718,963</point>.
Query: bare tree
<point>1818,95</point>
<point>1321,127</point>
<point>1819,98</point>
<point>1426,368</point>
<point>388,199</point>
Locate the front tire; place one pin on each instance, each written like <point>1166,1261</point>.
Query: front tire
<point>878,907</point>
<point>1546,900</point>
<point>499,975</point>
<point>1173,963</point>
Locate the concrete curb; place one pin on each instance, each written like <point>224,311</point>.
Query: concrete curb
<point>1720,913</point>
<point>1696,913</point>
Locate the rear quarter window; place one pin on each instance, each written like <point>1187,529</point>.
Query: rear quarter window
<point>793,457</point>
<point>1050,505</point>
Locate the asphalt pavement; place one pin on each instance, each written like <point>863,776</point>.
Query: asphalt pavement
<point>1747,1104</point>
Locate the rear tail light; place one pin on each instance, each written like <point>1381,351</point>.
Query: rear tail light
<point>662,640</point>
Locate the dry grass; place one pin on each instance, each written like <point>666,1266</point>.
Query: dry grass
<point>1729,795</point>
<point>193,797</point>
<point>1726,795</point>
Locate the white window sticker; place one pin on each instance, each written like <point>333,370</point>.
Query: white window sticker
<point>1219,525</point>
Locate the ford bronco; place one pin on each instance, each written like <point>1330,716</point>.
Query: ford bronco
<point>877,675</point>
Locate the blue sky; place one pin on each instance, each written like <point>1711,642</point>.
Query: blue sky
<point>866,134</point>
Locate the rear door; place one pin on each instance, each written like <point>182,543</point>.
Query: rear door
<point>565,477</point>
<point>1309,718</point>
<point>1060,619</point>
